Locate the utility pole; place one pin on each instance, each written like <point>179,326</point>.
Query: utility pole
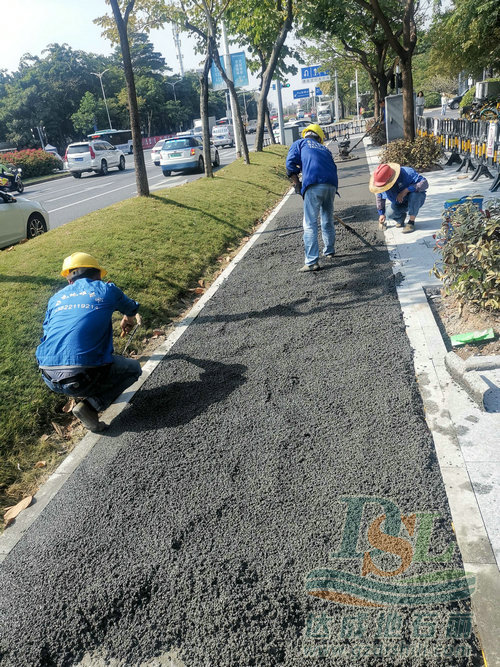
<point>229,72</point>
<point>280,112</point>
<point>177,42</point>
<point>337,116</point>
<point>357,96</point>
<point>99,76</point>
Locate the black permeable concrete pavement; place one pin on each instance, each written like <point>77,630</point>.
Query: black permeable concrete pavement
<point>195,523</point>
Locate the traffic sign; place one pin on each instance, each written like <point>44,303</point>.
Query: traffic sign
<point>318,92</point>
<point>313,73</point>
<point>302,92</point>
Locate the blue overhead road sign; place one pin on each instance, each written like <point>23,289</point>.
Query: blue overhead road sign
<point>303,92</point>
<point>313,73</point>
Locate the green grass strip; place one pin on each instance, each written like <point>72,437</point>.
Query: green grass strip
<point>154,248</point>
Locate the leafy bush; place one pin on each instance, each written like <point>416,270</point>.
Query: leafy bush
<point>368,114</point>
<point>33,162</point>
<point>422,154</point>
<point>470,245</point>
<point>432,100</point>
<point>468,98</point>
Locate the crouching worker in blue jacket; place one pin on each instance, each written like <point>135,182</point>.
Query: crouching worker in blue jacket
<point>404,188</point>
<point>76,353</point>
<point>318,188</point>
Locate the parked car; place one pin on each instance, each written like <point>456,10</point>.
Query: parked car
<point>155,152</point>
<point>184,153</point>
<point>455,101</point>
<point>97,155</point>
<point>21,218</point>
<point>223,135</point>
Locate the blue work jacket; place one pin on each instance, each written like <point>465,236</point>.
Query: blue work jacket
<point>77,330</point>
<point>408,178</point>
<point>315,162</point>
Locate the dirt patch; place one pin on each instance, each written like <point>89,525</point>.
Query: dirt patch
<point>452,320</point>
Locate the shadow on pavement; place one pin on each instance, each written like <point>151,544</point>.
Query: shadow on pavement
<point>180,402</point>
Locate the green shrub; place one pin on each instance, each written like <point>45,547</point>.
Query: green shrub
<point>468,98</point>
<point>33,162</point>
<point>432,100</point>
<point>368,114</point>
<point>422,154</point>
<point>470,246</point>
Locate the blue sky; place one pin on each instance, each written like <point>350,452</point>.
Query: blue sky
<point>30,25</point>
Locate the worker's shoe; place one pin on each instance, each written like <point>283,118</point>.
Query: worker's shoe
<point>310,267</point>
<point>330,255</point>
<point>89,417</point>
<point>409,227</point>
<point>399,223</point>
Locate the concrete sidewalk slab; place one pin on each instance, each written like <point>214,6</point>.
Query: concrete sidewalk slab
<point>466,437</point>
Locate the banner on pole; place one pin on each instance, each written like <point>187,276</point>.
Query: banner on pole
<point>240,72</point>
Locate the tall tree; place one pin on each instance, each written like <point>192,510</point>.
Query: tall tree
<point>403,41</point>
<point>348,32</point>
<point>122,10</point>
<point>467,37</point>
<point>263,26</point>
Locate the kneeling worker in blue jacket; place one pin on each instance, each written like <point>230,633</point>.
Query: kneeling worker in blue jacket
<point>76,353</point>
<point>404,187</point>
<point>319,185</point>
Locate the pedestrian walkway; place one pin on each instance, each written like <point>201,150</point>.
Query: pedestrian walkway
<point>467,438</point>
<point>271,495</point>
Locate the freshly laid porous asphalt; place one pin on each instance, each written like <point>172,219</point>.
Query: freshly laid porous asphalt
<point>194,523</point>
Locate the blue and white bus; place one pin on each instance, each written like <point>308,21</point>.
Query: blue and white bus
<point>122,139</point>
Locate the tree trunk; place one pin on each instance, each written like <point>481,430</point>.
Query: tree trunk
<point>269,125</point>
<point>141,177</point>
<point>204,115</point>
<point>240,128</point>
<point>269,73</point>
<point>408,105</point>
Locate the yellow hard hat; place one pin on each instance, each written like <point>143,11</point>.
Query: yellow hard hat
<point>316,129</point>
<point>81,260</point>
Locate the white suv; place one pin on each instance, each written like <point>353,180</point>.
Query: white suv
<point>95,156</point>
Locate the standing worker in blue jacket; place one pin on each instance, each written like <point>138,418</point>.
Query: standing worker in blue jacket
<point>76,353</point>
<point>404,187</point>
<point>319,185</point>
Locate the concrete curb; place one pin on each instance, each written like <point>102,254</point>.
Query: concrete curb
<point>54,177</point>
<point>467,375</point>
<point>11,535</point>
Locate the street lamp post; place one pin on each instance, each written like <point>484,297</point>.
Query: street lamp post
<point>99,76</point>
<point>173,87</point>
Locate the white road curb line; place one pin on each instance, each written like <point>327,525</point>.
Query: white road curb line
<point>53,485</point>
<point>432,376</point>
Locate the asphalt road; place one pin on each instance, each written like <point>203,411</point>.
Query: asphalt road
<point>69,198</point>
<point>191,528</point>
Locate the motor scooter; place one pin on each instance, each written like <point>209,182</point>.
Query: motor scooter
<point>10,179</point>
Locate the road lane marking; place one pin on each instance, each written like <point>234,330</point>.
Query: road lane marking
<point>101,194</point>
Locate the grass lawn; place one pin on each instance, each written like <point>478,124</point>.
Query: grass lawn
<point>155,249</point>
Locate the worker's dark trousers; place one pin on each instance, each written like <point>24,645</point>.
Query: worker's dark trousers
<point>100,393</point>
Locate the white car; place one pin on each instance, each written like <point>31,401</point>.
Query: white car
<point>155,152</point>
<point>182,153</point>
<point>223,135</point>
<point>97,155</point>
<point>21,218</point>
<point>324,118</point>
